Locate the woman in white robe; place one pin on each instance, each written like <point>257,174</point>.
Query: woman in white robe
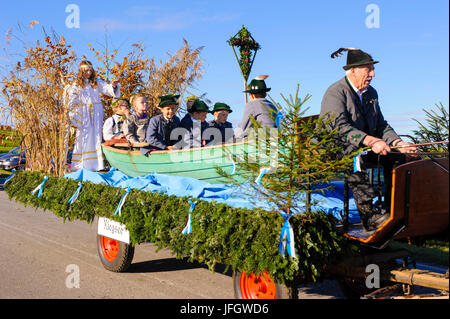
<point>86,114</point>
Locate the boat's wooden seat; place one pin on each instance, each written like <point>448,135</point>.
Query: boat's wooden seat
<point>124,143</point>
<point>419,205</point>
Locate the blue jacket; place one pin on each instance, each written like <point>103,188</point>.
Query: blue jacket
<point>192,138</point>
<point>226,132</point>
<point>159,129</point>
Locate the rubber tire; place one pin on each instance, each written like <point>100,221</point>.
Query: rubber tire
<point>282,291</point>
<point>122,261</point>
<point>351,290</point>
<point>355,289</point>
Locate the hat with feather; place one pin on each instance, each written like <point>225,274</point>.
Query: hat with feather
<point>355,57</point>
<point>257,85</point>
<point>199,106</point>
<point>168,99</point>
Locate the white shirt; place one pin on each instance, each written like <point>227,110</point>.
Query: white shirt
<point>359,92</point>
<point>111,127</point>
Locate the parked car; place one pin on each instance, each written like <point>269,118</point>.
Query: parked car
<point>12,159</point>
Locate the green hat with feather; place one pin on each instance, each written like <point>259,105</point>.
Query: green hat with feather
<point>219,106</point>
<point>168,99</point>
<point>199,106</point>
<point>355,57</point>
<point>257,85</point>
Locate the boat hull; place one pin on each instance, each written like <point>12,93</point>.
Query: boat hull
<point>200,163</point>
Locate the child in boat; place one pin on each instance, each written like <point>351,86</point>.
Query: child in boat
<point>160,126</point>
<point>221,125</point>
<point>195,125</point>
<point>113,126</point>
<point>135,126</point>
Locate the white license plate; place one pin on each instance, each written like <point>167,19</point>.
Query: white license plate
<point>112,229</point>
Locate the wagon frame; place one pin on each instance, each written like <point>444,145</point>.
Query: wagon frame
<point>419,206</point>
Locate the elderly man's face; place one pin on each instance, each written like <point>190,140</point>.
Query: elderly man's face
<point>362,75</point>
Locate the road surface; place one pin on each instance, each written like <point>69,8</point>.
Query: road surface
<point>43,257</point>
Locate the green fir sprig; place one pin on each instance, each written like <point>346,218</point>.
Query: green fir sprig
<point>240,238</point>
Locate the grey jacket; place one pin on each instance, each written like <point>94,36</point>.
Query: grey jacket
<point>262,110</point>
<point>355,120</point>
<point>135,128</point>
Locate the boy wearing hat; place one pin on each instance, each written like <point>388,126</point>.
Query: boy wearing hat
<point>353,105</point>
<point>259,107</point>
<point>160,126</point>
<point>195,124</point>
<point>220,123</point>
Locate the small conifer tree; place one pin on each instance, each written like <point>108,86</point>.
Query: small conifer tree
<point>299,157</point>
<point>434,129</point>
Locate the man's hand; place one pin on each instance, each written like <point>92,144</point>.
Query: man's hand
<point>378,146</point>
<point>404,147</point>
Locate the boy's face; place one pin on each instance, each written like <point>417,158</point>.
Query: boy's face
<point>140,104</point>
<point>122,108</point>
<point>199,116</point>
<point>221,116</point>
<point>168,111</point>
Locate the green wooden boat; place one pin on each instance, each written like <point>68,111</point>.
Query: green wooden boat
<point>200,163</point>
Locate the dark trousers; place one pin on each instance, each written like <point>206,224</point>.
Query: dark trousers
<point>359,182</point>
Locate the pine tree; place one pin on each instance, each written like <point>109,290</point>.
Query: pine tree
<point>434,129</point>
<point>299,157</point>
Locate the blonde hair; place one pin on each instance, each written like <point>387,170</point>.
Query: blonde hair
<point>92,79</point>
<point>135,96</point>
<point>116,102</point>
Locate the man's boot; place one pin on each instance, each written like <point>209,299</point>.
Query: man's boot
<point>370,217</point>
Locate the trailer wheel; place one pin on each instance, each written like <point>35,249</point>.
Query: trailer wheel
<point>353,288</point>
<point>257,287</point>
<point>115,255</point>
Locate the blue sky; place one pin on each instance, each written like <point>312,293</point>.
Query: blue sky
<point>297,38</point>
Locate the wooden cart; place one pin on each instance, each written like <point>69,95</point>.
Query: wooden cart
<point>419,206</point>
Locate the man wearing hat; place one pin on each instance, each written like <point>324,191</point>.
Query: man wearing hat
<point>195,124</point>
<point>353,105</point>
<point>259,107</point>
<point>161,126</point>
<point>220,124</point>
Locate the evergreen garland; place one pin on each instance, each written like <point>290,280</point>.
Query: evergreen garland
<point>241,238</point>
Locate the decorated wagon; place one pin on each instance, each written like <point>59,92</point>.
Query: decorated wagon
<point>419,207</point>
<point>250,240</point>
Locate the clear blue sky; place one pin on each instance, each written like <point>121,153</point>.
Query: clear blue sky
<point>297,37</point>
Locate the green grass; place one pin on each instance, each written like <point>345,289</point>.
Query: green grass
<point>8,145</point>
<point>4,173</point>
<point>5,149</point>
<point>432,251</point>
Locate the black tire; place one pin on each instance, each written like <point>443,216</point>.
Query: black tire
<point>119,261</point>
<point>282,291</point>
<point>353,288</point>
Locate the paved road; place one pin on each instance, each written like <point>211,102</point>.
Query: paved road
<point>39,251</point>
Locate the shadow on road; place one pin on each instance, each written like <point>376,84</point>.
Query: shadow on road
<point>173,264</point>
